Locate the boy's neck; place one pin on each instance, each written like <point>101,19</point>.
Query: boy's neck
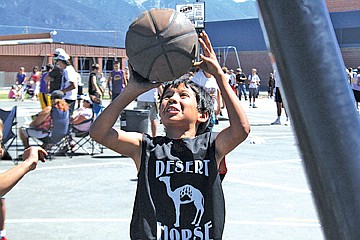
<point>178,133</point>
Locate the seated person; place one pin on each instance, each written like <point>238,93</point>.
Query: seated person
<point>42,123</point>
<point>14,93</point>
<point>81,118</point>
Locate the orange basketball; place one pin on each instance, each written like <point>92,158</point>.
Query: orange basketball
<point>161,44</point>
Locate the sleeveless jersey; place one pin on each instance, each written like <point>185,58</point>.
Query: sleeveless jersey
<point>179,193</point>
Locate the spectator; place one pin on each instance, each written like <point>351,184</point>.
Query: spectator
<point>34,82</point>
<point>271,85</point>
<point>240,80</point>
<point>208,82</point>
<point>356,87</point>
<point>42,123</point>
<point>44,96</point>
<point>254,83</point>
<point>54,77</point>
<point>69,84</point>
<point>94,90</point>
<point>116,81</point>
<point>102,83</point>
<point>14,94</point>
<point>81,118</point>
<point>278,89</point>
<point>148,100</point>
<point>20,80</point>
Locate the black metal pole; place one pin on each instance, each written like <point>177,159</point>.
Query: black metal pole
<point>321,106</point>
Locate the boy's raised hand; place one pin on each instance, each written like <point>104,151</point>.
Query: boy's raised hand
<point>209,61</point>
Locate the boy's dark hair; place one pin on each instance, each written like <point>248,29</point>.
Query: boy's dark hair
<point>203,99</point>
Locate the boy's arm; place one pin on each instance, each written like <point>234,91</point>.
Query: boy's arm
<point>102,130</point>
<point>239,127</point>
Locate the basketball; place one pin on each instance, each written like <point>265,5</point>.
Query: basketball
<point>161,44</point>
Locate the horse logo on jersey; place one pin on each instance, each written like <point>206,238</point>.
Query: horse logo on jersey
<point>184,195</point>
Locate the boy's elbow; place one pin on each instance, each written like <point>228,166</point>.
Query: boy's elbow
<point>95,135</point>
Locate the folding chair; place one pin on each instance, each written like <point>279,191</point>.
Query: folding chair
<point>84,140</point>
<point>10,129</point>
<point>58,137</point>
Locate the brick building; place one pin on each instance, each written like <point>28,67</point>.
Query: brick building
<point>29,50</point>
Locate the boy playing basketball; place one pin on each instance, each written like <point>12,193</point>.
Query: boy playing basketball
<point>179,193</point>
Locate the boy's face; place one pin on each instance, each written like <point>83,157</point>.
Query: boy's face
<point>179,105</point>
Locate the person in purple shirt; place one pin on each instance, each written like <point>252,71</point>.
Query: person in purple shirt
<point>21,82</point>
<point>116,81</point>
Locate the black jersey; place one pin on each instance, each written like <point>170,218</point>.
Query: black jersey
<point>179,193</point>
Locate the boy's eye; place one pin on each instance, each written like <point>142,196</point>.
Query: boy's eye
<point>183,95</point>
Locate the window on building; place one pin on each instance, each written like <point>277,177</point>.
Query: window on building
<point>348,35</point>
<point>84,65</point>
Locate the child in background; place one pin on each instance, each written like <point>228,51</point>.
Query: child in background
<point>14,93</point>
<point>179,193</point>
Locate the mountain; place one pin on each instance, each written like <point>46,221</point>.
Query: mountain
<point>100,22</point>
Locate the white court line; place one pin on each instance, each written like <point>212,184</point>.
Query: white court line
<point>269,185</point>
<point>127,220</point>
<point>265,163</point>
<point>279,224</point>
<point>85,165</point>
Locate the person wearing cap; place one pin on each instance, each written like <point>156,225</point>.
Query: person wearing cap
<point>69,80</point>
<point>81,118</point>
<point>42,122</point>
<point>55,75</point>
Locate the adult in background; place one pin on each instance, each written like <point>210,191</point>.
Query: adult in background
<point>94,90</point>
<point>356,87</point>
<point>208,82</point>
<point>271,85</point>
<point>55,76</point>
<point>240,80</point>
<point>44,96</point>
<point>69,85</point>
<point>42,123</point>
<point>254,82</point>
<point>148,100</point>
<point>116,81</point>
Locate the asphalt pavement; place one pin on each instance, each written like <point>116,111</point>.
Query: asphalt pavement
<point>91,197</point>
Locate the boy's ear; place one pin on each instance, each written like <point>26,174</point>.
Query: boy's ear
<point>203,117</point>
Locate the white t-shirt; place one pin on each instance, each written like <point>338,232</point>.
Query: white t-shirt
<point>209,84</point>
<point>355,83</point>
<point>69,75</point>
<point>88,114</point>
<point>149,96</point>
<point>254,81</point>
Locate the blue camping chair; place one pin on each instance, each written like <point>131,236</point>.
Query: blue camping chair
<point>10,129</point>
<point>57,138</point>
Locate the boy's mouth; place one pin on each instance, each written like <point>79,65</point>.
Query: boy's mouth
<point>172,109</point>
